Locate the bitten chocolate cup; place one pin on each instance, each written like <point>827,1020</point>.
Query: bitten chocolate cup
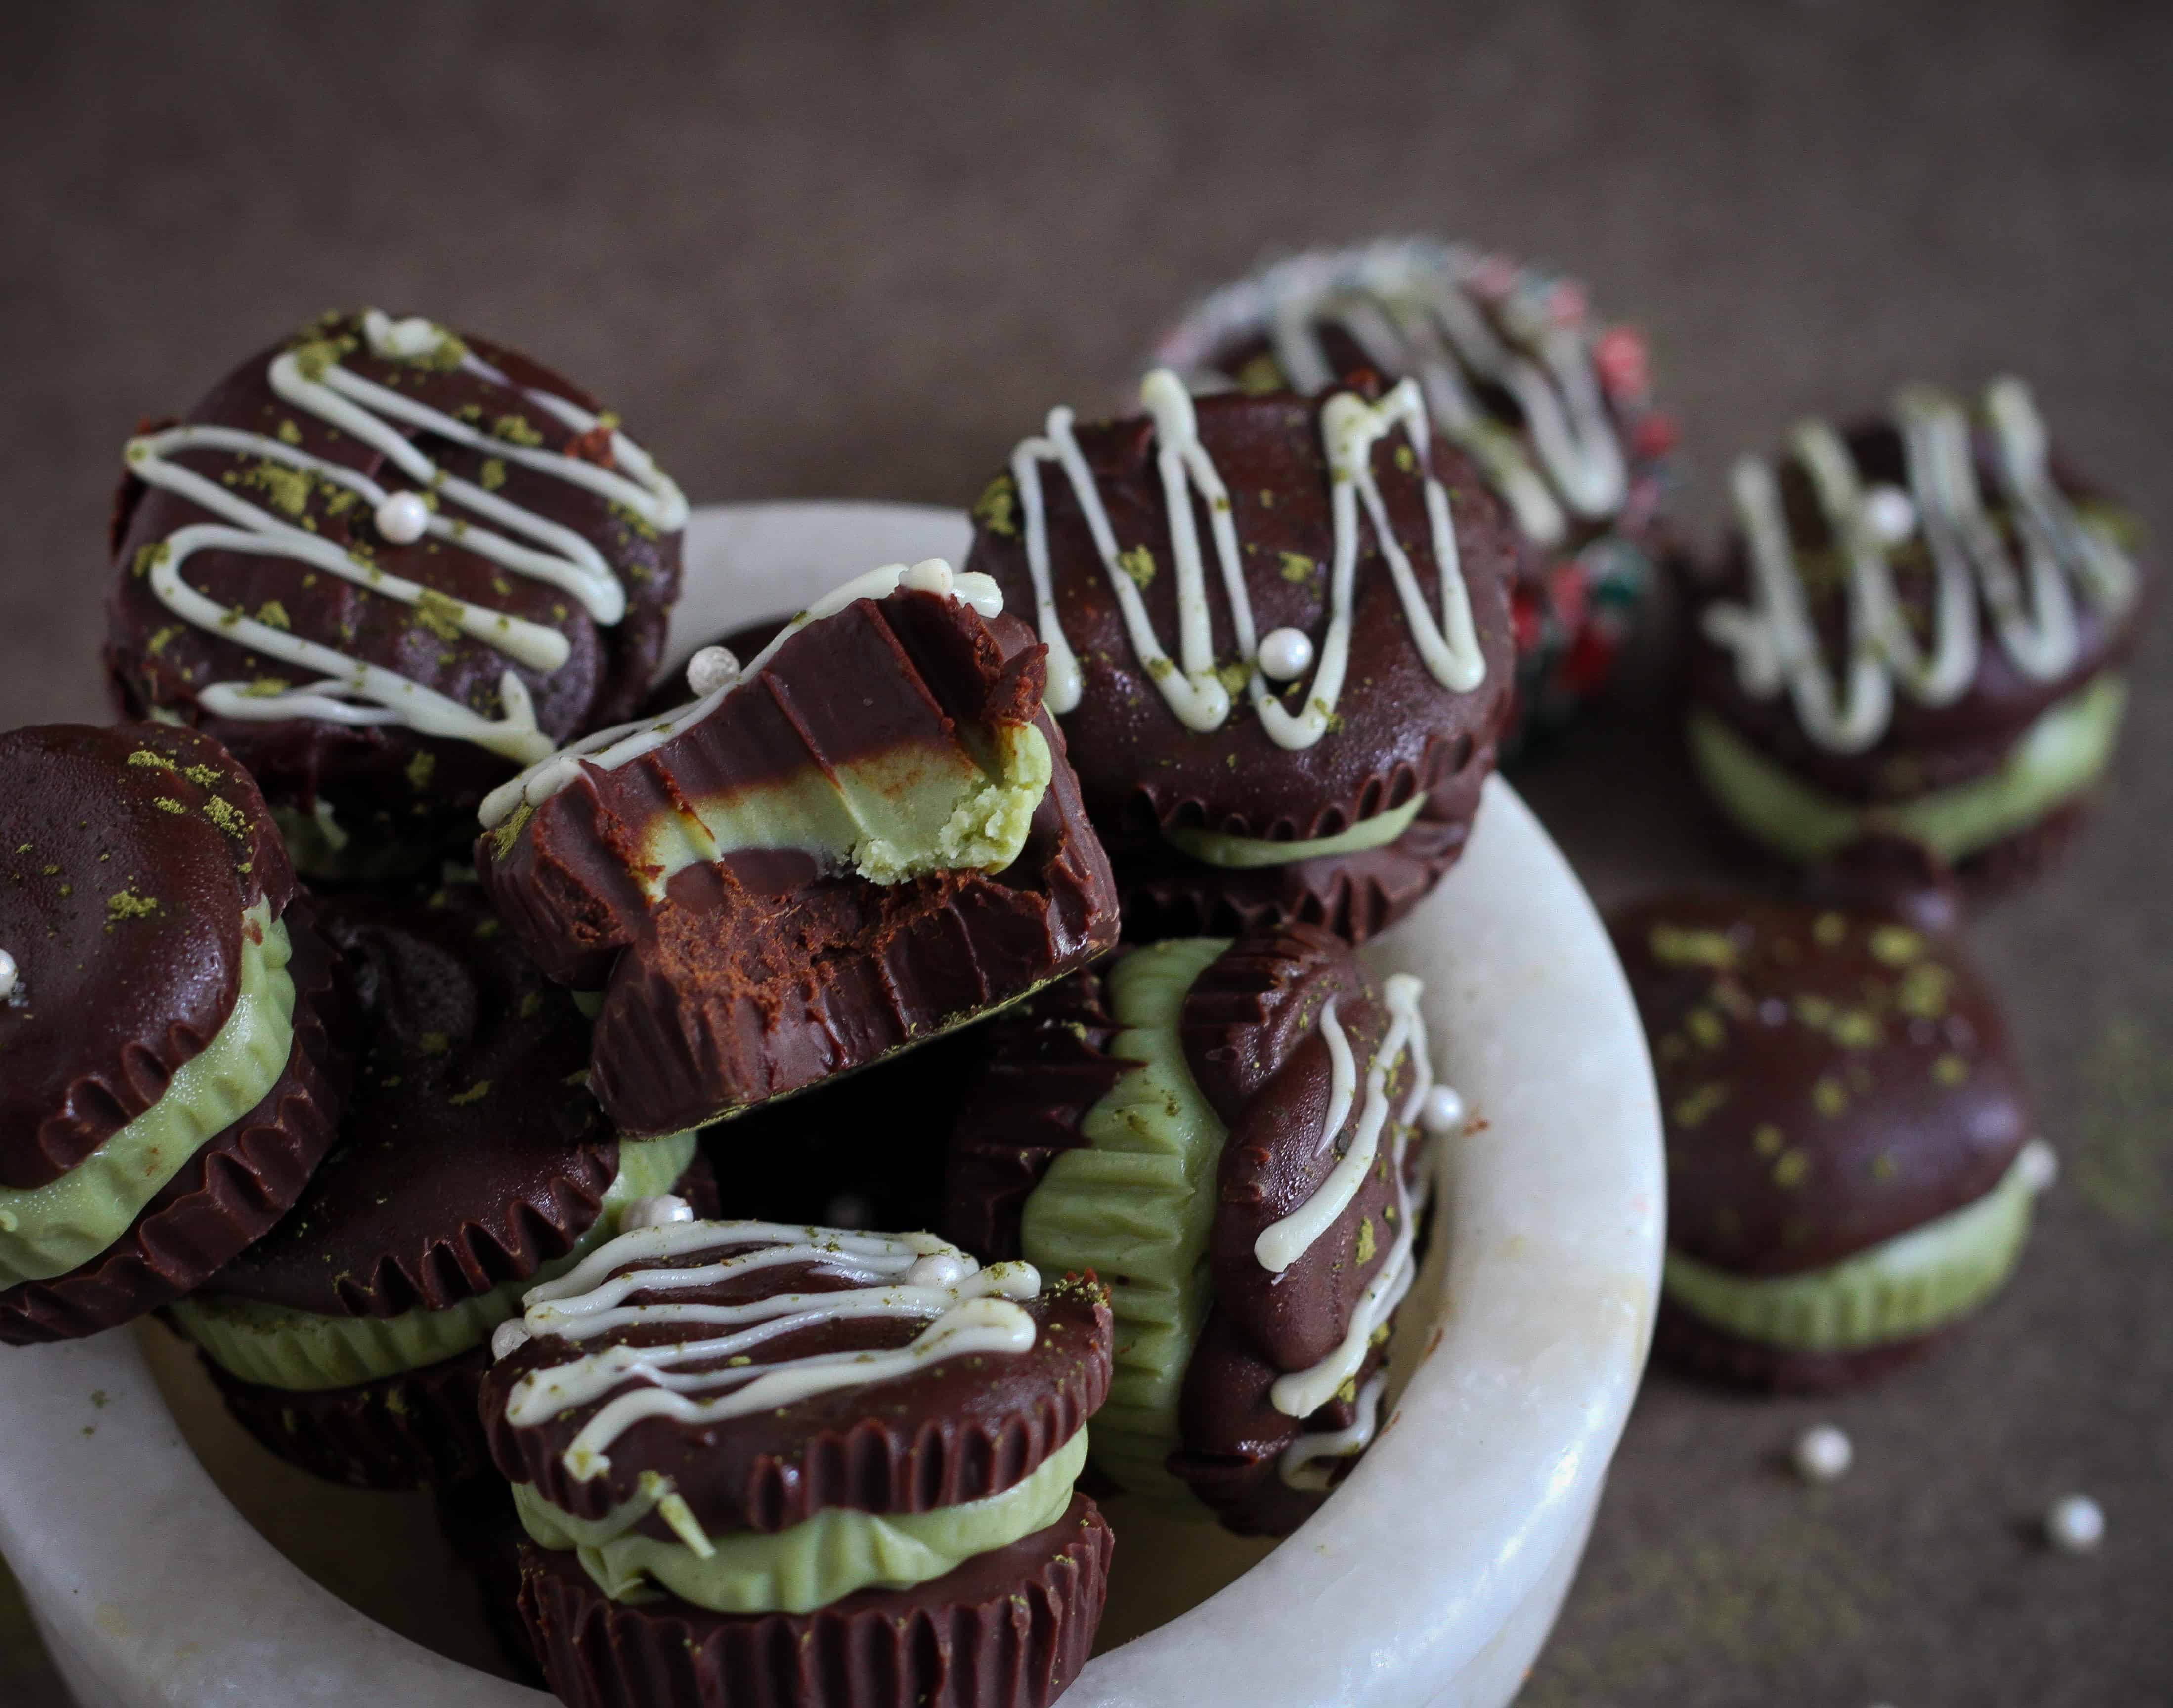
<point>868,836</point>
<point>170,1018</point>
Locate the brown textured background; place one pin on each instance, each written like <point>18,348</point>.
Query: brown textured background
<point>860,256</point>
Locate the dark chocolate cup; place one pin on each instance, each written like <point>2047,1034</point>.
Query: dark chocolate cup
<point>1691,1346</point>
<point>1010,1629</point>
<point>417,1429</point>
<point>404,1431</point>
<point>229,1194</point>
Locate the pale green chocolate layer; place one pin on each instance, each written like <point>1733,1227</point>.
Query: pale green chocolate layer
<point>892,817</point>
<point>1243,852</point>
<point>46,1230</point>
<point>2057,757</point>
<point>274,1346</point>
<point>820,1560</point>
<point>1137,1200</point>
<point>1896,1290</point>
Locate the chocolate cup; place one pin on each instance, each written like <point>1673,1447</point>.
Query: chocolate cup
<point>128,857</point>
<point>467,1158</point>
<point>759,975</point>
<point>231,1192</point>
<point>1691,1346</point>
<point>419,1428</point>
<point>403,1431</point>
<point>1010,1629</point>
<point>1165,892</point>
<point>956,1431</point>
<point>370,772</point>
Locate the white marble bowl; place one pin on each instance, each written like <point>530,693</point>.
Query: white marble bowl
<point>1431,1577</point>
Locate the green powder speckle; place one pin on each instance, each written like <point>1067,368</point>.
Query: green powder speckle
<point>1828,1098</point>
<point>273,615</point>
<point>494,473</point>
<point>474,1094</point>
<point>515,429</point>
<point>997,508</point>
<point>126,904</point>
<point>1678,946</point>
<point>439,614</point>
<point>1297,567</point>
<point>1139,564</point>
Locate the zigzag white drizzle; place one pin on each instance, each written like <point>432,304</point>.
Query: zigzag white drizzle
<point>1303,1392</point>
<point>917,1276</point>
<point>1349,427</point>
<point>1414,307</point>
<point>354,690</point>
<point>1774,640</point>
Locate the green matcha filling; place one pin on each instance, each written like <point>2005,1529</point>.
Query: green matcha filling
<point>820,1560</point>
<point>895,816</point>
<point>46,1230</point>
<point>2057,757</point>
<point>1216,849</point>
<point>275,1346</point>
<point>1894,1291</point>
<point>1135,1203</point>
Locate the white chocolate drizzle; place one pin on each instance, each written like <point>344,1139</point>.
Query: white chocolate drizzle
<point>2031,606</point>
<point>1421,308</point>
<point>916,1277</point>
<point>606,750</point>
<point>1312,1461</point>
<point>352,691</point>
<point>10,976</point>
<point>1300,1393</point>
<point>1190,684</point>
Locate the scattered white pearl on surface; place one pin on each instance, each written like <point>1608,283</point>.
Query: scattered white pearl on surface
<point>929,575</point>
<point>2075,1524</point>
<point>937,1269</point>
<point>1443,1112</point>
<point>2039,1164</point>
<point>403,518</point>
<point>508,1338</point>
<point>8,975</point>
<point>1822,1453</point>
<point>849,1210</point>
<point>712,668</point>
<point>1286,653</point>
<point>1892,513</point>
<point>661,1211</point>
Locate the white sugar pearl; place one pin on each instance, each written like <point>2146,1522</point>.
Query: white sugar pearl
<point>2039,1164</point>
<point>937,1269</point>
<point>403,518</point>
<point>1443,1112</point>
<point>1892,513</point>
<point>712,668</point>
<point>8,975</point>
<point>1286,653</point>
<point>929,575</point>
<point>508,1338</point>
<point>849,1210</point>
<point>2075,1524</point>
<point>1822,1453</point>
<point>661,1211</point>
<point>981,592</point>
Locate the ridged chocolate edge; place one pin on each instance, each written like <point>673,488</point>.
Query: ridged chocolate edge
<point>232,1192</point>
<point>416,1429</point>
<point>911,1445</point>
<point>1047,1065</point>
<point>1007,1629</point>
<point>1166,893</point>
